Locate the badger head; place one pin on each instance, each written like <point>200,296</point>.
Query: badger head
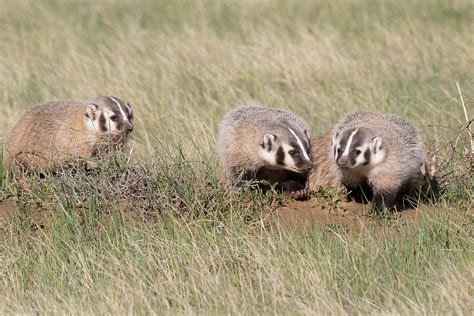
<point>287,148</point>
<point>357,147</point>
<point>109,116</point>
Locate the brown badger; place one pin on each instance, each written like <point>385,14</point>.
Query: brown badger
<point>258,143</point>
<point>59,131</point>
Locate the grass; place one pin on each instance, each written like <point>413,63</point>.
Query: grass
<point>78,245</point>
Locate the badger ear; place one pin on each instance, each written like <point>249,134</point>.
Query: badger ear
<point>333,139</point>
<point>431,164</point>
<point>423,168</point>
<point>268,140</point>
<point>377,143</point>
<point>90,110</point>
<point>306,132</point>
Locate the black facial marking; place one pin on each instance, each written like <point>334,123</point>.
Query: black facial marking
<point>295,146</point>
<point>102,122</point>
<point>356,142</point>
<point>280,156</point>
<point>367,157</point>
<point>342,145</point>
<point>267,145</point>
<point>128,111</point>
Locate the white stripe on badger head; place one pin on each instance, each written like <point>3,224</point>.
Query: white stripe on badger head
<point>129,109</point>
<point>300,143</point>
<point>120,107</point>
<point>349,142</point>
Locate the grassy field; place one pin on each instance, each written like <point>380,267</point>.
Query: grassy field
<point>75,245</point>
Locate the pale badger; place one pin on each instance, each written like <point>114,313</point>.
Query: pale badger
<point>326,176</point>
<point>258,143</point>
<point>379,152</point>
<point>61,131</point>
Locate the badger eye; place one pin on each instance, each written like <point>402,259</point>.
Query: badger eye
<point>357,152</point>
<point>114,118</point>
<point>292,152</point>
<point>339,150</point>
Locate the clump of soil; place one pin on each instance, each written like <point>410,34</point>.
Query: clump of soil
<point>353,216</point>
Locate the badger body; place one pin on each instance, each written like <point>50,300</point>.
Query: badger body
<point>323,174</point>
<point>257,143</point>
<point>383,152</point>
<point>55,132</point>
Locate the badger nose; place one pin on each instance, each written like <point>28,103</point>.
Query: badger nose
<point>343,161</point>
<point>309,166</point>
<point>129,128</point>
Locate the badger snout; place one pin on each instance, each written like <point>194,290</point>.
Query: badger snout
<point>306,166</point>
<point>309,165</point>
<point>129,128</point>
<point>343,162</point>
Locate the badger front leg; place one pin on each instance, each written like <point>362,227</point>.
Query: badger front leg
<point>385,192</point>
<point>384,199</point>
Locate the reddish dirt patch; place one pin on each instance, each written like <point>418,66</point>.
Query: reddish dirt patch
<point>351,215</point>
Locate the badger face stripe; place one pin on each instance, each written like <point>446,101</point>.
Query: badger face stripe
<point>280,156</point>
<point>336,147</point>
<point>102,123</point>
<point>300,144</point>
<point>124,115</point>
<point>335,144</point>
<point>367,156</point>
<point>130,112</point>
<point>349,142</point>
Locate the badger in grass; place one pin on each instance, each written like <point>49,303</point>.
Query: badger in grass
<point>258,144</point>
<point>325,175</point>
<point>382,155</point>
<point>56,132</point>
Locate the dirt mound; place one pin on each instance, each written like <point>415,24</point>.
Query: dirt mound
<point>350,215</point>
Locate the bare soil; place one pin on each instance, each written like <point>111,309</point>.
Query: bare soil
<point>293,214</point>
<point>303,215</point>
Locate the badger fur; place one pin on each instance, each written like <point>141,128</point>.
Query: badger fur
<point>257,143</point>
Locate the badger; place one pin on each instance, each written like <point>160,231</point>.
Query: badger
<point>424,184</point>
<point>323,175</point>
<point>56,132</point>
<point>380,154</point>
<point>256,143</point>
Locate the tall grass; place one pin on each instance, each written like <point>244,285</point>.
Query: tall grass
<point>78,244</point>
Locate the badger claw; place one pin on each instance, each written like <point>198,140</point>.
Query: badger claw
<point>302,194</point>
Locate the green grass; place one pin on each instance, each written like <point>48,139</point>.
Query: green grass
<point>191,246</point>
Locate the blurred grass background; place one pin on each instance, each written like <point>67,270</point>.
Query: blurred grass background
<point>182,65</point>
